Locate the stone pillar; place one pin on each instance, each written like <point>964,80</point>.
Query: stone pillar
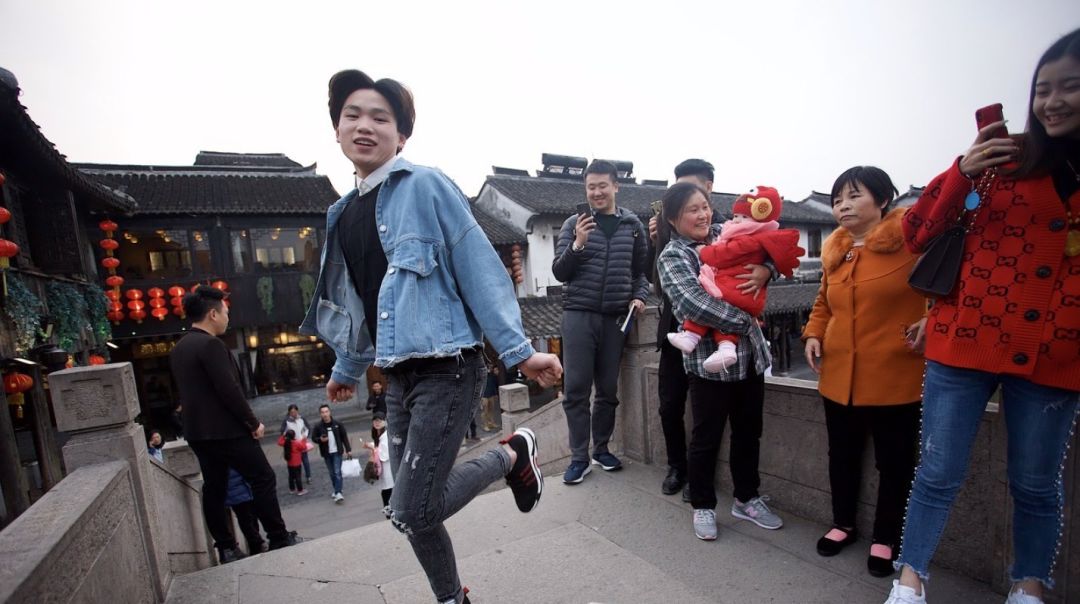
<point>514,402</point>
<point>638,423</point>
<point>96,406</point>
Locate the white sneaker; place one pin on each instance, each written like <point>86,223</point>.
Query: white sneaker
<point>338,497</point>
<point>684,340</point>
<point>705,524</point>
<point>901,594</point>
<point>1020,597</point>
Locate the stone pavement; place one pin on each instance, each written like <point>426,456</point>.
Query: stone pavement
<point>613,538</point>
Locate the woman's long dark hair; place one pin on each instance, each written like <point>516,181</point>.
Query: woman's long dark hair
<point>1040,153</point>
<point>289,437</point>
<point>672,203</point>
<point>375,434</point>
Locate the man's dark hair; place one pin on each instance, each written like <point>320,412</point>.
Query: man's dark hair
<point>324,405</point>
<point>293,406</point>
<point>600,166</point>
<point>873,179</point>
<point>199,302</point>
<point>344,83</point>
<point>695,167</point>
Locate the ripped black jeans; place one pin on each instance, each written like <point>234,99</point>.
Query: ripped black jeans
<point>429,405</point>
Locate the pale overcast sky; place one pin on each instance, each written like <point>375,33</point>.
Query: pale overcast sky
<point>781,93</point>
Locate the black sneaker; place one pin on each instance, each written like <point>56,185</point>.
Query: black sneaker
<point>673,482</point>
<point>686,493</point>
<point>525,479</point>
<point>291,538</point>
<point>230,554</point>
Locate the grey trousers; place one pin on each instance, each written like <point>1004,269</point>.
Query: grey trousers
<point>592,349</point>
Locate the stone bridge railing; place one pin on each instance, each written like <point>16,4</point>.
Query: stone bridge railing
<point>119,526</point>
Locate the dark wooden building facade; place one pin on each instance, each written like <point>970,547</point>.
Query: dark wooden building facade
<point>255,222</point>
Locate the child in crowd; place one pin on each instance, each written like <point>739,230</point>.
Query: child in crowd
<point>380,454</point>
<point>752,236</point>
<point>154,445</point>
<point>239,498</point>
<point>293,449</point>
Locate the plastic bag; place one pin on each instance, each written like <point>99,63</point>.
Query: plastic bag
<point>350,468</point>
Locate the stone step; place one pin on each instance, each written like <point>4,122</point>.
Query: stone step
<point>613,538</point>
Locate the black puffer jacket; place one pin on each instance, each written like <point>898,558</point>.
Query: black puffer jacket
<point>608,273</point>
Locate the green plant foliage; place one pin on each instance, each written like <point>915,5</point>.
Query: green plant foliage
<point>98,307</point>
<point>23,309</point>
<point>264,287</point>
<point>69,312</point>
<point>307,290</point>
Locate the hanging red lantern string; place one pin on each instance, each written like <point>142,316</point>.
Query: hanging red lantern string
<point>110,262</point>
<point>157,303</point>
<point>15,384</point>
<point>8,249</point>
<point>176,300</point>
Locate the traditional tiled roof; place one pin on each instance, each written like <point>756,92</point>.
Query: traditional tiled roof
<point>542,316</point>
<point>909,197</point>
<point>556,196</point>
<point>793,297</point>
<point>26,151</point>
<point>261,160</point>
<point>219,189</point>
<point>498,231</point>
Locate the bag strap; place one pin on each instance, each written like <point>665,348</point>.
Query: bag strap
<point>980,189</point>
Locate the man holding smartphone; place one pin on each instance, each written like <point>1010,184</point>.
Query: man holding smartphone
<point>602,258</point>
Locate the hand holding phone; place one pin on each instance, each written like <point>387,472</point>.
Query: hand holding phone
<point>585,224</point>
<point>992,146</point>
<point>584,208</point>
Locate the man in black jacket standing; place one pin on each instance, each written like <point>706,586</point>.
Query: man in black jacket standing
<point>219,424</point>
<point>333,444</point>
<point>602,257</point>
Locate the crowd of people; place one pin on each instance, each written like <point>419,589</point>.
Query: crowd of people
<point>409,282</point>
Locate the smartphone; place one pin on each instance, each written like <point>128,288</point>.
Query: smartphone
<point>988,115</point>
<point>584,208</point>
<point>657,207</point>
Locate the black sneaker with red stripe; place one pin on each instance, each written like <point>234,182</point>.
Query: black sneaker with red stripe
<point>525,479</point>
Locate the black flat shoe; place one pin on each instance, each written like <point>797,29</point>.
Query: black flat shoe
<point>673,482</point>
<point>827,547</point>
<point>881,567</point>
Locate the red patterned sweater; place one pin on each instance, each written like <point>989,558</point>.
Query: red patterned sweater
<point>1016,307</point>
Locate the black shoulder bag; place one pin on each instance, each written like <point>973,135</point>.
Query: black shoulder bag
<point>935,272</point>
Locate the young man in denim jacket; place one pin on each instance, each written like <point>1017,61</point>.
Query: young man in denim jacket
<point>410,282</point>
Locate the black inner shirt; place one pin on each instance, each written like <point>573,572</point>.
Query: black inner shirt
<point>365,259</point>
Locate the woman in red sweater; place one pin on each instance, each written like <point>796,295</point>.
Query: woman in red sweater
<point>1012,321</point>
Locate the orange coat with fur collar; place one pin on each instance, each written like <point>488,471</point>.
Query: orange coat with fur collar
<point>862,309</point>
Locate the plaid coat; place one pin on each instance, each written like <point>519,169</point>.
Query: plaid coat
<point>678,267</point>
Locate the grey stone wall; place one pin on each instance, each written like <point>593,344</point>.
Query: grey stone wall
<point>79,543</point>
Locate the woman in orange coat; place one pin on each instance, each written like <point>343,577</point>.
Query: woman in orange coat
<point>864,339</point>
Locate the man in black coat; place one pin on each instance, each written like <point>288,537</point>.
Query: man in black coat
<point>219,424</point>
<point>333,446</point>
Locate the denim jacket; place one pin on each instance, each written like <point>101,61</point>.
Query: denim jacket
<point>445,287</point>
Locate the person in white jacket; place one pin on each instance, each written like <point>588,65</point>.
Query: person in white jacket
<point>380,455</point>
<point>295,422</point>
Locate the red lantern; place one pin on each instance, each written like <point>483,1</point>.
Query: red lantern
<point>112,295</point>
<point>116,306</point>
<point>136,305</point>
<point>160,313</point>
<point>15,384</point>
<point>178,311</point>
<point>96,359</point>
<point>155,292</point>
<point>220,285</point>
<point>133,294</point>
<point>157,302</point>
<point>176,291</point>
<point>110,262</point>
<point>2,179</point>
<point>108,226</point>
<point>7,250</point>
<point>5,215</point>
<point>114,281</point>
<point>108,244</point>
<point>137,315</point>
<point>115,316</point>
<point>194,287</point>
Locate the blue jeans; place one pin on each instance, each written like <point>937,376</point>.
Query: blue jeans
<point>429,404</point>
<point>307,464</point>
<point>333,465</point>
<point>1039,423</point>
